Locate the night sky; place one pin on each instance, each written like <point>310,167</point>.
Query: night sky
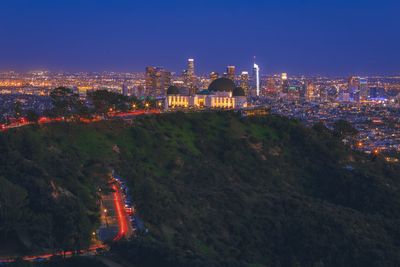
<point>307,37</point>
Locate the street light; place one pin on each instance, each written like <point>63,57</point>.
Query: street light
<point>105,211</point>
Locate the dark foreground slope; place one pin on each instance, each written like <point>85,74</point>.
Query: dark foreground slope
<point>216,190</point>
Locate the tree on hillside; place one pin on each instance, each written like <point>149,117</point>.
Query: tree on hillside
<point>12,204</point>
<point>344,129</point>
<point>320,128</point>
<point>135,103</point>
<point>18,109</point>
<point>65,101</point>
<point>32,116</point>
<point>105,101</point>
<point>150,102</point>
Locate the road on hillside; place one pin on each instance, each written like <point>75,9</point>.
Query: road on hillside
<point>124,231</point>
<point>46,120</point>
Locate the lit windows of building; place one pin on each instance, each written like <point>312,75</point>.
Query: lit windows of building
<point>221,94</point>
<point>244,82</point>
<point>231,72</point>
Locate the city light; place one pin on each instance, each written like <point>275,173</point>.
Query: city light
<point>147,133</point>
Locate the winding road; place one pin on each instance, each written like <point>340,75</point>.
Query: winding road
<point>124,230</point>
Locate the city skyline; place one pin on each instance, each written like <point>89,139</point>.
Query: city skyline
<point>199,133</point>
<point>309,38</point>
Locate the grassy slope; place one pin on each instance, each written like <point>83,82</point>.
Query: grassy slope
<point>219,191</point>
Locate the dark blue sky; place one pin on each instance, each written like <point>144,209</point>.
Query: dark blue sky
<point>334,37</point>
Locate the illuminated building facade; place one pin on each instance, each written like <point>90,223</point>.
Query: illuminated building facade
<point>191,73</point>
<point>190,76</point>
<point>354,88</point>
<point>125,90</point>
<point>231,72</point>
<point>256,71</point>
<point>285,83</point>
<point>310,91</point>
<point>221,94</point>
<point>157,81</point>
<point>271,88</point>
<point>364,89</point>
<point>244,82</point>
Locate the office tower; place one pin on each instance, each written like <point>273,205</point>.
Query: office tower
<point>244,82</point>
<point>310,91</point>
<point>303,89</point>
<point>271,88</point>
<point>150,79</point>
<point>125,90</point>
<point>157,81</point>
<point>140,91</point>
<point>256,77</point>
<point>214,76</point>
<point>190,76</point>
<point>230,72</point>
<point>285,83</point>
<point>354,88</point>
<point>364,89</point>
<point>190,72</point>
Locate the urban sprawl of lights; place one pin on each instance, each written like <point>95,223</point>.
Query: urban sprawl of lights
<point>371,104</point>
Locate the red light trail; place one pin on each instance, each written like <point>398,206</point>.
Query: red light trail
<point>46,120</point>
<point>123,226</point>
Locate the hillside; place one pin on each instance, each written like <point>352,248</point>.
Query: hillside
<point>213,190</point>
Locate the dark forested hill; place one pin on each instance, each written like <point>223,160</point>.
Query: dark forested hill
<point>213,190</point>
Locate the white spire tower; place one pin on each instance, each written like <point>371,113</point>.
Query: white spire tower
<point>257,77</point>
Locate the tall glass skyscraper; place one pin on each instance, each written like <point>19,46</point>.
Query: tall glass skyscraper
<point>231,72</point>
<point>190,76</point>
<point>157,81</point>
<point>256,77</point>
<point>244,82</point>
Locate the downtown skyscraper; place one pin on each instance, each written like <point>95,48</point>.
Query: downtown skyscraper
<point>190,76</point>
<point>256,77</point>
<point>231,72</point>
<point>244,82</point>
<point>157,81</point>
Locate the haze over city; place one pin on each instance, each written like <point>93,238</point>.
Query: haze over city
<point>339,38</point>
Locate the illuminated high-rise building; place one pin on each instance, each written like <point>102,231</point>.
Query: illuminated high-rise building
<point>190,72</point>
<point>125,90</point>
<point>310,90</point>
<point>364,89</point>
<point>157,81</point>
<point>285,83</point>
<point>244,82</point>
<point>271,86</point>
<point>354,88</point>
<point>256,77</point>
<point>150,79</point>
<point>190,76</point>
<point>230,72</point>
